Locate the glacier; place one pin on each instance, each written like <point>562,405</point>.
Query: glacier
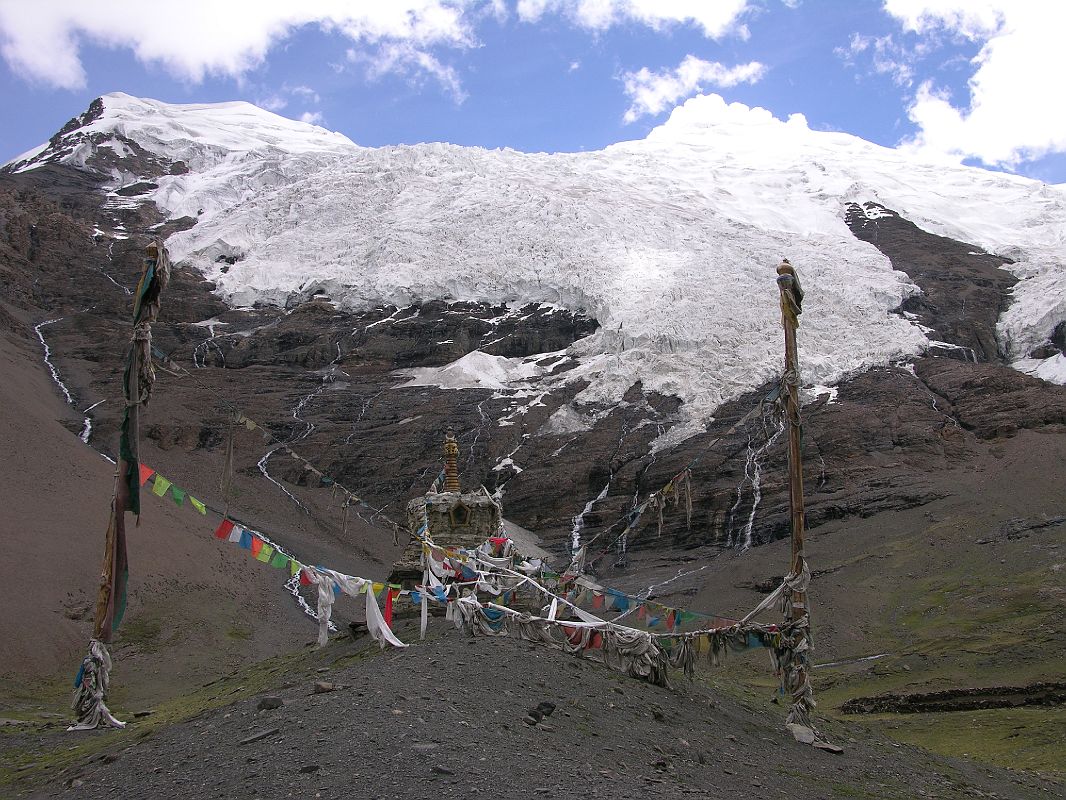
<point>669,242</point>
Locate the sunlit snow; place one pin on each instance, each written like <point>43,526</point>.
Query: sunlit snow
<point>670,242</point>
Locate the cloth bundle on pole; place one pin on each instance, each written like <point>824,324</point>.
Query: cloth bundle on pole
<point>138,376</point>
<point>90,690</point>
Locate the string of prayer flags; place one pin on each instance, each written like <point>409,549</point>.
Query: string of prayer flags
<point>279,561</point>
<point>161,485</point>
<point>146,473</point>
<point>159,488</point>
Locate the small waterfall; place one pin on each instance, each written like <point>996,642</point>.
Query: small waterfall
<point>753,475</point>
<point>579,520</point>
<point>48,357</point>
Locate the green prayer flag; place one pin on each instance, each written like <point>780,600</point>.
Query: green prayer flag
<point>265,553</point>
<point>159,488</point>
<point>178,494</point>
<point>294,568</point>
<point>198,505</point>
<point>279,560</point>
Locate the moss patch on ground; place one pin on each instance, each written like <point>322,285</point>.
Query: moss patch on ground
<point>45,751</point>
<point>1015,738</point>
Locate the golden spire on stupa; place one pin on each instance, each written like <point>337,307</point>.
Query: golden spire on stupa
<point>451,462</point>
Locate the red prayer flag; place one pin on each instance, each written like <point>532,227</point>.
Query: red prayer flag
<point>304,580</point>
<point>388,607</point>
<point>146,473</point>
<point>257,546</point>
<point>224,529</point>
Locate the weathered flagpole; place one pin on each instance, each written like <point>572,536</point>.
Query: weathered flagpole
<point>798,662</point>
<point>791,307</point>
<point>91,685</point>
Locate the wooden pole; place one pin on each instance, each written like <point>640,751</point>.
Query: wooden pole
<point>797,671</point>
<point>791,306</point>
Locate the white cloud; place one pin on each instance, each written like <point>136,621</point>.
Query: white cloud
<point>308,94</point>
<point>274,102</point>
<point>409,61</point>
<point>889,57</point>
<point>654,92</point>
<point>717,18</point>
<point>312,117</point>
<point>279,100</point>
<point>1014,112</point>
<point>200,37</point>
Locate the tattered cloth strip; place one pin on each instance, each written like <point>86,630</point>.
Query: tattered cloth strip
<point>329,583</point>
<point>137,381</point>
<point>90,690</point>
<point>139,374</point>
<point>631,652</point>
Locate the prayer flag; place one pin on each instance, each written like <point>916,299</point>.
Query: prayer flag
<point>159,488</point>
<point>265,554</point>
<point>235,536</point>
<point>198,505</point>
<point>388,607</point>
<point>294,568</point>
<point>378,588</point>
<point>146,473</point>
<point>178,495</point>
<point>279,560</point>
<point>223,529</point>
<point>249,424</point>
<point>305,579</point>
<point>246,540</point>
<point>257,546</point>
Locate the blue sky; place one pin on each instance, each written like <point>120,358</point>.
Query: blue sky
<point>969,79</point>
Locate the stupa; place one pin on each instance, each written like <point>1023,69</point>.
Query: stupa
<point>450,517</point>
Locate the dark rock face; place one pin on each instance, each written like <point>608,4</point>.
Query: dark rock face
<point>963,289</point>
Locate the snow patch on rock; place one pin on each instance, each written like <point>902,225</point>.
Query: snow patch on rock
<point>475,370</point>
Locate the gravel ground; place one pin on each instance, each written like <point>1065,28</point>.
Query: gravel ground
<point>448,717</point>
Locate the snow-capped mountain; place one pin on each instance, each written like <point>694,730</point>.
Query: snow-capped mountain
<point>668,242</point>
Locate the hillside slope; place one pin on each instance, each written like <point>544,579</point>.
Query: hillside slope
<point>933,472</point>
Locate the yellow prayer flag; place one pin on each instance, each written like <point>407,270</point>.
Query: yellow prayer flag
<point>159,488</point>
<point>294,568</point>
<point>265,553</point>
<point>198,505</point>
<point>378,587</point>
